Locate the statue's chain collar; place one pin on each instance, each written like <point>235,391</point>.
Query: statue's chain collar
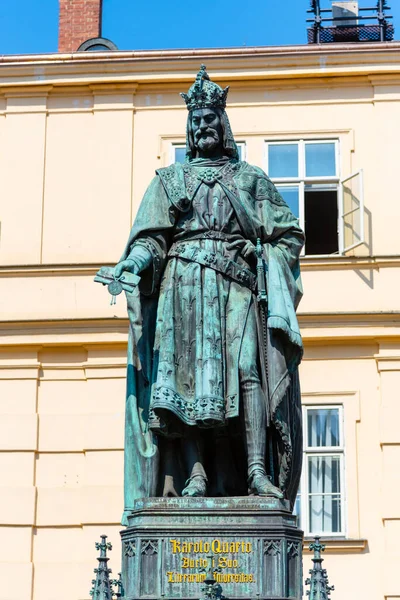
<point>210,175</point>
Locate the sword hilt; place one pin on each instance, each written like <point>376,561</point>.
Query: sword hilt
<point>262,295</point>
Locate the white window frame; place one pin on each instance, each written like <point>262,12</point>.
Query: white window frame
<point>174,145</point>
<point>301,143</point>
<point>322,451</point>
<point>302,180</point>
<point>243,147</point>
<point>172,151</point>
<point>329,182</point>
<point>342,214</point>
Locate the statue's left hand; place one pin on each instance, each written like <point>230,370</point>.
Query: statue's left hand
<point>246,249</point>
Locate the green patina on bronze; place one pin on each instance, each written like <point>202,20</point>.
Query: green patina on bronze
<point>213,399</point>
<point>102,585</point>
<point>318,582</point>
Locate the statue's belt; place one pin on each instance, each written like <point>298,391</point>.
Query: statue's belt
<point>191,252</point>
<point>208,234</point>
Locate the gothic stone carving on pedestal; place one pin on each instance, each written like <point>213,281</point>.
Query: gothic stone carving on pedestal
<point>254,541</point>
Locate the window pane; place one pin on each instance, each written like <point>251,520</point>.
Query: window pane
<point>320,160</point>
<point>325,514</point>
<point>324,474</point>
<point>240,150</point>
<point>180,154</point>
<point>283,160</point>
<point>297,510</point>
<point>352,211</point>
<point>321,221</point>
<point>323,427</point>
<point>324,488</point>
<point>291,197</point>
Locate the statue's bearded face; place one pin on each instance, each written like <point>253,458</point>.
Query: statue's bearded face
<point>207,131</point>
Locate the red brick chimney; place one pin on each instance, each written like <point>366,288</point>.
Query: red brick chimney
<point>79,21</point>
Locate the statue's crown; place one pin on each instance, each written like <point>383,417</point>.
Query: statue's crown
<point>204,93</point>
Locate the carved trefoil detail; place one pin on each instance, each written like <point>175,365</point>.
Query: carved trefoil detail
<point>130,549</point>
<point>272,547</point>
<point>293,549</point>
<point>149,547</point>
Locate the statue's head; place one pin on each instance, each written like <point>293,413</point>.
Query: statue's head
<point>208,130</point>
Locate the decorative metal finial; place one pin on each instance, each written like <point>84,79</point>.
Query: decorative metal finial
<point>201,76</point>
<point>318,582</point>
<point>211,589</point>
<point>101,589</point>
<point>118,584</point>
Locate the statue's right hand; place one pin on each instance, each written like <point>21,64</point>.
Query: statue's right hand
<point>138,260</point>
<point>125,265</point>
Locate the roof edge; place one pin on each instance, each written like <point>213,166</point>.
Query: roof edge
<point>190,53</point>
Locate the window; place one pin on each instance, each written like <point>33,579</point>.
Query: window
<point>352,211</point>
<point>320,501</point>
<point>178,152</point>
<point>306,173</point>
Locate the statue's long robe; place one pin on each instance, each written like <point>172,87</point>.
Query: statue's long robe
<point>170,208</point>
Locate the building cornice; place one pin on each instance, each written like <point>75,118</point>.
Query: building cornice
<point>308,263</point>
<point>316,328</point>
<point>173,66</point>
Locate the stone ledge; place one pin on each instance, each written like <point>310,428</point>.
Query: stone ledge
<point>203,515</point>
<point>338,545</point>
<point>231,503</point>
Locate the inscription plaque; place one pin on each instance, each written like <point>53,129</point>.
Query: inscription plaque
<point>253,543</point>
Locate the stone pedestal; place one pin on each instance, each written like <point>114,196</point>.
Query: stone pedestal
<point>256,548</point>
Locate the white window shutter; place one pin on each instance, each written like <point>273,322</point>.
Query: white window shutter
<point>351,212</point>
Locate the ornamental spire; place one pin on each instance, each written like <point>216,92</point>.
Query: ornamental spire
<point>101,589</point>
<point>318,582</point>
<point>118,584</point>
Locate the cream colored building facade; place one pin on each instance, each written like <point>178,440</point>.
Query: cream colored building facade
<point>80,138</point>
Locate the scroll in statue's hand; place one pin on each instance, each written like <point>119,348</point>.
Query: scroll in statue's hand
<point>127,281</point>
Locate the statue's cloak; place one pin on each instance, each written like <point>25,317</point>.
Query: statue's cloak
<point>263,214</point>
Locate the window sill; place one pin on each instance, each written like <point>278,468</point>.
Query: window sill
<point>337,261</point>
<point>338,545</point>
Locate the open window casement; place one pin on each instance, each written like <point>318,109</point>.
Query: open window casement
<point>351,212</point>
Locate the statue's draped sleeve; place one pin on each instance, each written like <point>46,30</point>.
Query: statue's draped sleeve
<point>285,347</point>
<point>282,240</point>
<point>152,227</point>
<point>154,220</point>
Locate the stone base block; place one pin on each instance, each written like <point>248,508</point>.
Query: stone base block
<point>253,542</point>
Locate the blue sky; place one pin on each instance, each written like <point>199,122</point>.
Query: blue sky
<point>30,26</point>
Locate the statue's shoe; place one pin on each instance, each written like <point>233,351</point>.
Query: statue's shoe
<point>197,486</point>
<point>260,485</point>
